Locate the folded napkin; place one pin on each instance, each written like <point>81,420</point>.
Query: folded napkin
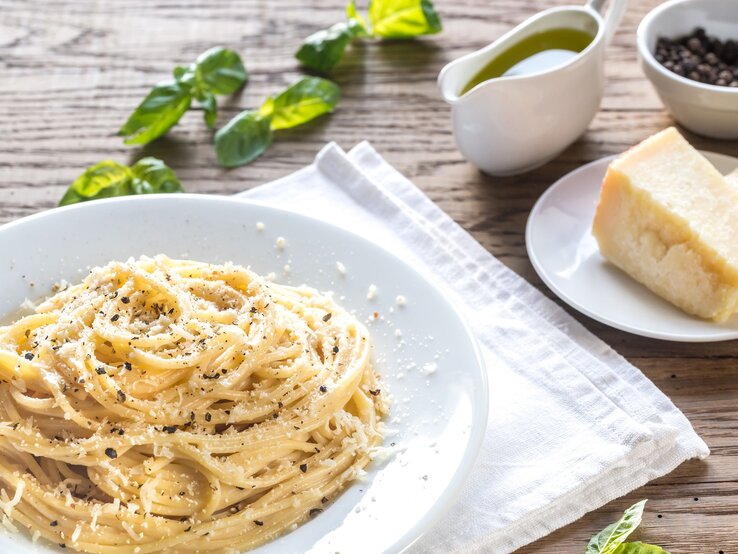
<point>572,425</point>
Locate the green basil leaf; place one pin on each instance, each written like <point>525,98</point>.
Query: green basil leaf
<point>612,536</point>
<point>220,71</point>
<point>267,108</point>
<point>403,18</point>
<point>639,548</point>
<point>362,28</point>
<point>185,75</point>
<point>102,180</point>
<point>108,178</point>
<point>243,139</point>
<point>209,107</point>
<point>321,51</point>
<point>160,111</point>
<point>302,101</point>
<point>152,175</point>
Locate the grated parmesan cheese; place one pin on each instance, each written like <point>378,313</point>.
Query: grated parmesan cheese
<point>9,524</point>
<point>96,510</point>
<point>8,505</point>
<point>77,532</point>
<point>429,368</point>
<point>129,529</point>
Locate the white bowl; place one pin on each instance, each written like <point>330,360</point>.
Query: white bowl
<point>708,110</point>
<point>438,418</point>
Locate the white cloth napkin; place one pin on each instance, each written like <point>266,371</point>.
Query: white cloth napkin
<point>572,424</point>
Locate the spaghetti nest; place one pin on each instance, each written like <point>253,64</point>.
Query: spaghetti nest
<point>177,406</point>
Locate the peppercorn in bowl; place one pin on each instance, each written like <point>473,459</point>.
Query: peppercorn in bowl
<point>689,51</point>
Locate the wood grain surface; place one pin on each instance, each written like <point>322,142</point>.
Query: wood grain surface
<point>72,70</point>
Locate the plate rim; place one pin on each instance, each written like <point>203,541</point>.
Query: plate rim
<point>717,336</point>
<point>480,373</point>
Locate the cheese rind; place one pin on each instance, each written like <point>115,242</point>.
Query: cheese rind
<point>670,220</point>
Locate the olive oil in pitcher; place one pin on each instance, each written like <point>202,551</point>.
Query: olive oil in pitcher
<point>535,53</point>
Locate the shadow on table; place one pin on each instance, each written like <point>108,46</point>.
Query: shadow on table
<point>170,148</point>
<point>371,61</point>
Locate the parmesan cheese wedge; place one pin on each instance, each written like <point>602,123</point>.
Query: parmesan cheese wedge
<point>732,178</point>
<point>669,219</point>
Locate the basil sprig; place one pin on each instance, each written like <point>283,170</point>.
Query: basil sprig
<point>249,134</point>
<point>216,72</point>
<point>611,540</point>
<point>108,178</point>
<point>388,19</point>
<point>321,51</point>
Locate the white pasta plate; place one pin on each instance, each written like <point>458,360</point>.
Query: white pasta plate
<point>423,349</point>
<point>565,255</point>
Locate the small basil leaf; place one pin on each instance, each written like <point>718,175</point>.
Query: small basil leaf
<point>220,71</point>
<point>361,26</point>
<point>302,101</point>
<point>152,175</point>
<point>102,180</point>
<point>612,536</point>
<point>403,18</point>
<point>321,51</point>
<point>185,75</point>
<point>243,139</point>
<point>160,111</point>
<point>209,107</point>
<point>639,548</point>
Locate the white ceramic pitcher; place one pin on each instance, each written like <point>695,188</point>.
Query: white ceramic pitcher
<point>512,124</point>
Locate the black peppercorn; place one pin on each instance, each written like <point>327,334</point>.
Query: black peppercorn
<point>700,57</point>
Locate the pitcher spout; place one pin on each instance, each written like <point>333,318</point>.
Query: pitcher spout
<point>454,77</point>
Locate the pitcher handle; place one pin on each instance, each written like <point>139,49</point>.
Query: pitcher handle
<point>612,17</point>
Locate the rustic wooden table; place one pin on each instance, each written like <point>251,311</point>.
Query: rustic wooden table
<point>72,70</point>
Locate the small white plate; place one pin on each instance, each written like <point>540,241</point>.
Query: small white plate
<point>558,237</point>
<point>432,369</point>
